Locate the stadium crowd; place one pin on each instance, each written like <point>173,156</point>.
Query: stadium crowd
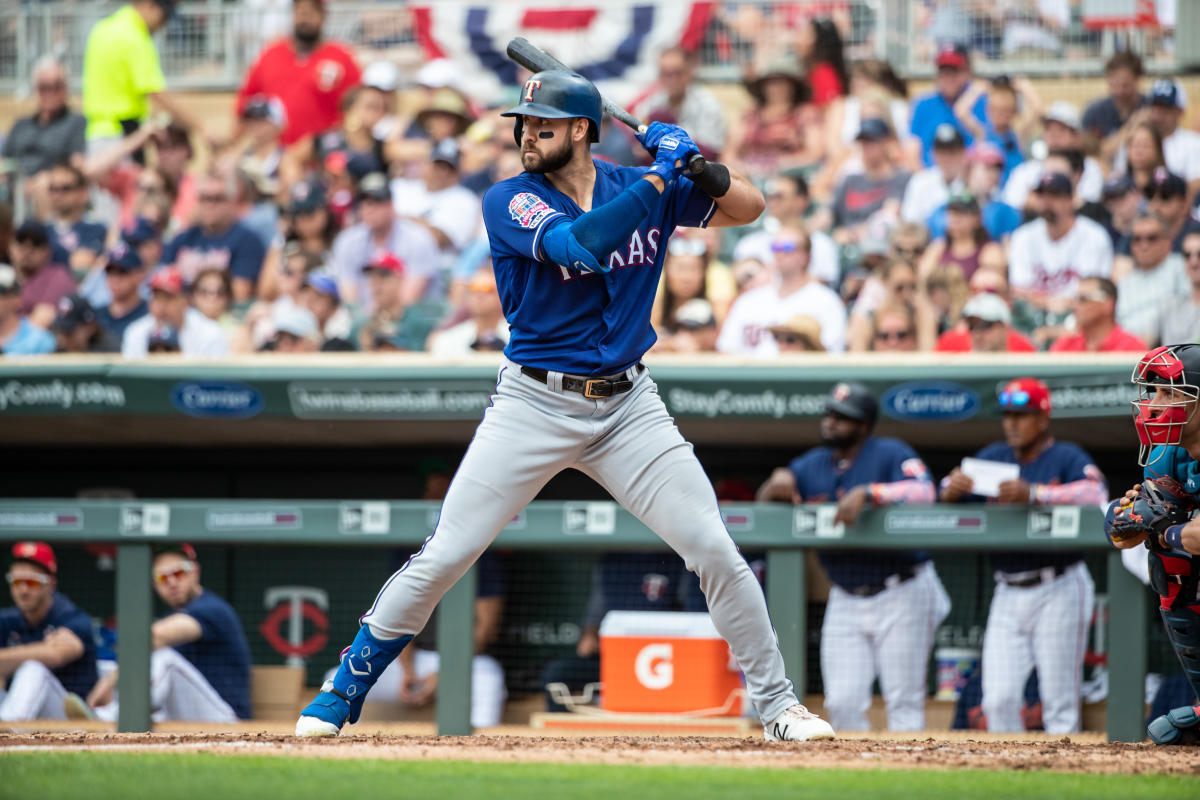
<point>972,218</point>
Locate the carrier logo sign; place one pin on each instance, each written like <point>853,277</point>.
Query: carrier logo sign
<point>930,401</point>
<point>653,667</point>
<point>217,399</point>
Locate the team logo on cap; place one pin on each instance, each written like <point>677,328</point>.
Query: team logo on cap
<point>841,392</point>
<point>26,550</point>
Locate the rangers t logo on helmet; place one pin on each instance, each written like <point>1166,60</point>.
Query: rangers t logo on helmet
<point>530,85</point>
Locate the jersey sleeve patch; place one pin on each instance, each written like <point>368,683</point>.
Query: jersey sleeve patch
<point>528,210</point>
<point>914,468</point>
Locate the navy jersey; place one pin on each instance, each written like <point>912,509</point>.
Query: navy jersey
<point>643,582</point>
<point>80,235</point>
<point>820,480</point>
<point>1061,462</point>
<point>221,653</point>
<point>559,320</point>
<point>79,676</point>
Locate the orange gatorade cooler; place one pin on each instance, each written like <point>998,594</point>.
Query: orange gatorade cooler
<point>666,662</point>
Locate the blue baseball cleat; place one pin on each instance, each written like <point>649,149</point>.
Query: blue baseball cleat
<point>341,699</point>
<point>1178,726</point>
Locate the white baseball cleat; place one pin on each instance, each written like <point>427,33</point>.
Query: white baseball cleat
<point>314,728</point>
<point>797,724</point>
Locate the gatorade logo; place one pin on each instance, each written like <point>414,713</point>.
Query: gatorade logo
<point>653,666</point>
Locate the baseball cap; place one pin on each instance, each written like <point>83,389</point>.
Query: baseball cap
<point>167,279</point>
<point>385,261</point>
<point>948,137</point>
<point>73,311</point>
<point>306,196</point>
<point>1025,394</point>
<point>804,326</point>
<point>1054,183</point>
<point>952,54</point>
<point>873,129</point>
<point>962,201</point>
<point>1063,113</point>
<point>696,314</point>
<point>37,553</point>
<point>984,152</point>
<point>987,307</point>
<point>853,400</point>
<point>8,279</point>
<point>375,187</point>
<point>1165,92</point>
<point>381,75</point>
<point>143,231</point>
<point>263,107</point>
<point>163,339</point>
<point>325,284</point>
<point>124,258</point>
<point>1117,186</point>
<point>1165,184</point>
<point>360,165</point>
<point>297,321</point>
<point>180,548</point>
<point>32,232</point>
<point>446,151</point>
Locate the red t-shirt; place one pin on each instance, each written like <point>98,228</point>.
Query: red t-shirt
<point>826,85</point>
<point>1118,340</point>
<point>958,340</point>
<point>309,86</point>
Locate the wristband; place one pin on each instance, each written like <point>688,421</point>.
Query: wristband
<point>1173,537</point>
<point>714,181</point>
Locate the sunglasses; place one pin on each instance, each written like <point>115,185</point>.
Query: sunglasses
<point>784,337</point>
<point>58,86</point>
<point>1094,297</point>
<point>212,198</point>
<point>981,324</point>
<point>1190,254</point>
<point>784,247</point>
<point>59,188</point>
<point>904,287</point>
<point>178,573</point>
<point>908,252</point>
<point>1145,237</point>
<point>1014,398</point>
<point>29,581</point>
<point>893,336</point>
<point>1163,193</point>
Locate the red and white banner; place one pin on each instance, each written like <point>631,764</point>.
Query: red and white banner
<point>614,44</point>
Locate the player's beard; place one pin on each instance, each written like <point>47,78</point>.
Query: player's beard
<point>551,162</point>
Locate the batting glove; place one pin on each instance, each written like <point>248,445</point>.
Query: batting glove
<point>674,148</point>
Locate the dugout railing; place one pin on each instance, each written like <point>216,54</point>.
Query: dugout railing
<point>784,533</point>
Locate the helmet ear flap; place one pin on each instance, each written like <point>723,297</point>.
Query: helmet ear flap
<point>518,130</point>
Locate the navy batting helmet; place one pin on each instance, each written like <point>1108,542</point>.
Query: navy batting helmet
<point>558,94</point>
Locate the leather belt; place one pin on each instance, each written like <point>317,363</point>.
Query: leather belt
<point>870,590</point>
<point>1042,576</point>
<point>592,388</point>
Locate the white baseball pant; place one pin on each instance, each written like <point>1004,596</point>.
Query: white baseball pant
<point>33,693</point>
<point>889,635</point>
<point>177,692</point>
<point>629,445</point>
<point>1041,626</point>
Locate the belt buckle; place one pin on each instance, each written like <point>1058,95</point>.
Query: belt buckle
<point>589,393</point>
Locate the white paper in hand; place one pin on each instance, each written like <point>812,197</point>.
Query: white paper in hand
<point>988,475</point>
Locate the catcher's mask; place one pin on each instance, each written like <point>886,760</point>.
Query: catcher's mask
<point>1160,421</point>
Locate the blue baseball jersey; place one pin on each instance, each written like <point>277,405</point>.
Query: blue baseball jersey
<point>1061,462</point>
<point>583,324</point>
<point>221,654</point>
<point>79,676</point>
<point>932,110</point>
<point>643,582</point>
<point>820,479</point>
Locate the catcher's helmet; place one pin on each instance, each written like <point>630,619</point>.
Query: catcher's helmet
<point>558,94</point>
<point>1160,421</point>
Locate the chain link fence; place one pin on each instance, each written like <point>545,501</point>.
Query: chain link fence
<point>210,43</point>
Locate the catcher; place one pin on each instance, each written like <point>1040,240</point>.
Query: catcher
<point>1158,512</point>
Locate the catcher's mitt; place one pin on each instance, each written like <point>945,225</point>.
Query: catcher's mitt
<point>1160,503</point>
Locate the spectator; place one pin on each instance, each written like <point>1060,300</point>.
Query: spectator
<point>819,45</point>
<point>49,648</point>
<point>18,336</point>
<point>940,300</point>
<point>1168,200</point>
<point>1049,255</point>
<point>679,100</point>
<point>173,157</point>
<point>211,294</point>
<point>218,240</point>
<point>200,666</point>
<point>883,608</point>
<point>124,274</point>
<point>966,242</point>
<point>1150,282</point>
<point>875,90</point>
<point>800,334</point>
<point>485,329</point>
<point>1143,154</point>
<point>198,336</point>
<point>693,328</point>
<point>122,77</point>
<point>986,328</point>
<point>364,108</point>
<point>309,230</point>
<point>78,330</point>
<point>385,276</point>
<point>895,329</point>
<point>1042,605</point>
<point>1122,200</point>
<point>937,108</point>
<point>308,74</point>
<point>320,296</point>
<point>380,229</point>
<point>42,281</point>
<point>782,131</point>
<point>788,203</point>
<point>1096,328</point>
<point>74,241</point>
<point>1183,323</point>
<point>867,203</point>
<point>794,292</point>
<point>1012,106</point>
<point>1060,131</point>
<point>257,329</point>
<point>897,286</point>
<point>620,582</point>
<point>930,188</point>
<point>448,210</point>
<point>1180,146</point>
<point>51,135</point>
<point>296,331</point>
<point>260,152</point>
<point>1104,119</point>
<point>985,171</point>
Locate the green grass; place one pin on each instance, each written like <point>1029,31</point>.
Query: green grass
<point>213,776</point>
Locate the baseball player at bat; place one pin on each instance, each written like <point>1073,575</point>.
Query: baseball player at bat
<point>577,247</point>
<point>1158,512</point>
